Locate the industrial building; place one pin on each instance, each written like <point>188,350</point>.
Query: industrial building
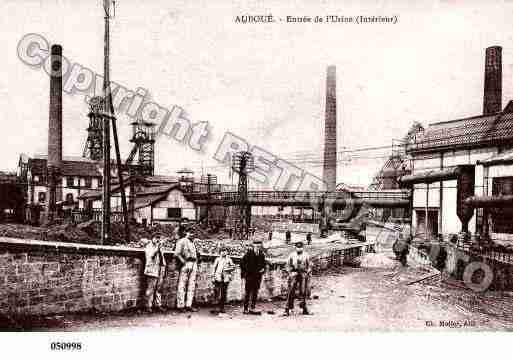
<point>461,167</point>
<point>78,175</point>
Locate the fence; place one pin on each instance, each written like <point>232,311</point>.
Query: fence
<point>81,215</point>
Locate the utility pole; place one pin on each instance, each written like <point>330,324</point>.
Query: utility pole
<point>108,115</point>
<point>106,233</point>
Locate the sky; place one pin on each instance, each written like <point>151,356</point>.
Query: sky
<point>263,82</point>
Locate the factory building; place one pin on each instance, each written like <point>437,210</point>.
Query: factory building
<point>77,175</point>
<point>458,165</point>
<point>150,199</point>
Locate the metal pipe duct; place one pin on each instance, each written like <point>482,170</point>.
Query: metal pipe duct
<point>465,189</point>
<point>505,201</point>
<point>451,173</point>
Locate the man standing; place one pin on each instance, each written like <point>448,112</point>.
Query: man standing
<point>154,269</point>
<point>223,268</point>
<point>298,268</point>
<point>187,257</point>
<point>287,237</point>
<point>309,238</point>
<point>252,268</point>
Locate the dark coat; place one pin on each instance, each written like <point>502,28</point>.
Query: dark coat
<point>252,264</point>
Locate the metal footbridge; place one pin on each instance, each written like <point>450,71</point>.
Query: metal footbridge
<point>336,200</point>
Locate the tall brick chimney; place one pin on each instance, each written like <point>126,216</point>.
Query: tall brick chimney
<point>330,131</point>
<point>54,133</point>
<point>492,100</point>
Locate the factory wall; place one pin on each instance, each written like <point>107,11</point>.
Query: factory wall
<point>39,277</point>
<point>79,186</point>
<point>494,171</point>
<point>449,221</point>
<point>158,212</point>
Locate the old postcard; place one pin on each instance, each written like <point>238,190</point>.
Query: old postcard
<point>254,166</point>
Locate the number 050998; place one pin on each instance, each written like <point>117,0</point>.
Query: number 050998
<point>66,346</point>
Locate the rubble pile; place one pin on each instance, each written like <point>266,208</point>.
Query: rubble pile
<point>377,260</point>
<point>90,233</point>
<point>58,233</point>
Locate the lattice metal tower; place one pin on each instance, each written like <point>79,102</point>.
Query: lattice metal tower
<point>93,148</point>
<point>243,163</point>
<point>143,138</point>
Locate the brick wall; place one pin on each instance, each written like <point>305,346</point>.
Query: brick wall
<point>39,277</point>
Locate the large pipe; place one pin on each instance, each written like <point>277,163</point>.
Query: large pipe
<point>465,188</point>
<point>504,201</point>
<point>330,131</point>
<point>54,132</point>
<point>492,99</point>
<point>446,174</point>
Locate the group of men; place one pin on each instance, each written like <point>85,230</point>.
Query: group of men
<point>252,266</point>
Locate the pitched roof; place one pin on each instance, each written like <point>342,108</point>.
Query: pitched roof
<point>156,189</point>
<point>145,201</point>
<point>141,192</point>
<point>161,179</point>
<point>466,132</point>
<point>71,166</point>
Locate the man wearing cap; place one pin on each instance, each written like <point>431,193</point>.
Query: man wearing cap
<point>252,268</point>
<point>154,269</point>
<point>298,268</point>
<point>187,256</point>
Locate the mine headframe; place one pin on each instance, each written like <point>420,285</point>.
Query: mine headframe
<point>93,148</point>
<point>141,160</point>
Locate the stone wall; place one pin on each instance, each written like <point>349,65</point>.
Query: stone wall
<point>39,277</point>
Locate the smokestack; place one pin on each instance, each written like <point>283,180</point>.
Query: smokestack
<point>54,131</point>
<point>330,131</point>
<point>492,101</point>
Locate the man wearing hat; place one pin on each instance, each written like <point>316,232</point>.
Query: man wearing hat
<point>298,268</point>
<point>154,269</point>
<point>252,268</point>
<point>187,256</point>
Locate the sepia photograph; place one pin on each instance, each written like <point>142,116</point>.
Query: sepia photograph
<point>247,167</point>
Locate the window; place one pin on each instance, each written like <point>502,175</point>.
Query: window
<point>41,197</point>
<point>88,182</point>
<point>100,181</point>
<point>432,223</point>
<point>501,217</point>
<point>69,181</point>
<point>69,198</point>
<point>174,213</point>
<point>504,148</point>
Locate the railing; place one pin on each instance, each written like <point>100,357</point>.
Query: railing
<point>300,196</point>
<point>488,253</point>
<point>95,214</point>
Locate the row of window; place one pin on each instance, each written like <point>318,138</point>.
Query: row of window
<point>70,181</point>
<point>41,197</point>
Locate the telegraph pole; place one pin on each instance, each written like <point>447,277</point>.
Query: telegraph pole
<point>107,113</point>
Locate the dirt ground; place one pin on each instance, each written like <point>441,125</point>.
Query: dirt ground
<point>390,298</point>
